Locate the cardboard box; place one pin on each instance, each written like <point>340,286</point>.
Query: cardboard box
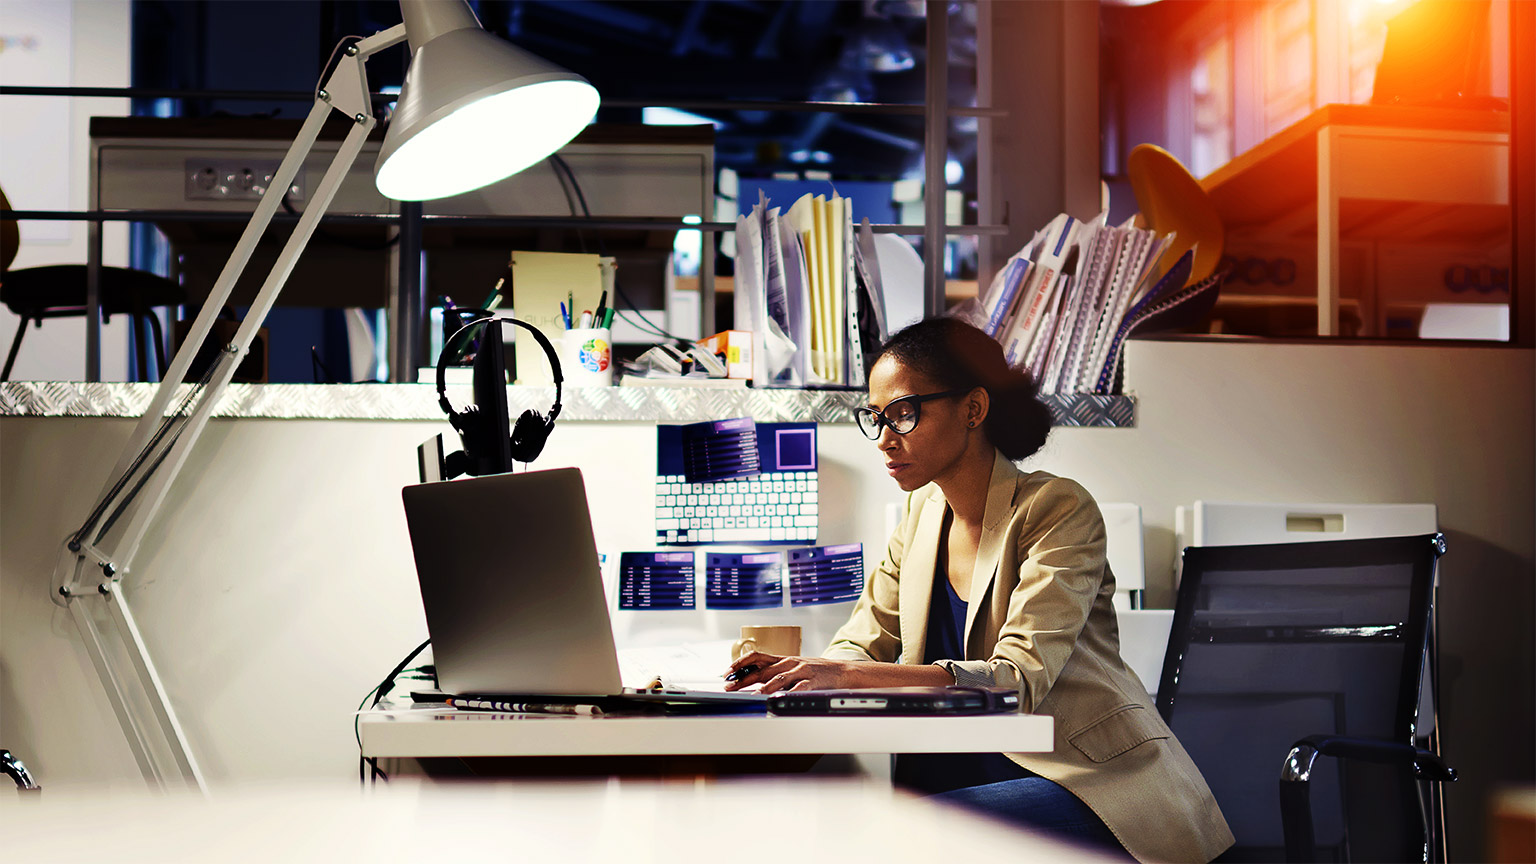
<point>735,347</point>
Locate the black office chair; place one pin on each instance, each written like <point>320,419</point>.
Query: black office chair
<point>1280,653</point>
<point>37,293</point>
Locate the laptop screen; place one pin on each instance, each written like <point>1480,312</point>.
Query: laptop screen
<point>511,585</point>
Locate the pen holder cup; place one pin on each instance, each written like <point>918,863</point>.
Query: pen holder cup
<point>586,357</point>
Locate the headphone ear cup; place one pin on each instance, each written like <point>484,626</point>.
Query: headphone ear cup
<point>528,436</point>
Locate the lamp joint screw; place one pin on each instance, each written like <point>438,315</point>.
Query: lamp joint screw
<point>108,570</point>
<point>324,96</point>
<point>359,118</point>
<point>63,591</point>
<point>351,50</point>
<point>105,588</point>
<point>74,545</point>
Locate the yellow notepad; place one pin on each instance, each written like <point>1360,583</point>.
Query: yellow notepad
<point>541,281</point>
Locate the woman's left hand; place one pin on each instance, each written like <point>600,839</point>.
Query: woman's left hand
<point>777,673</point>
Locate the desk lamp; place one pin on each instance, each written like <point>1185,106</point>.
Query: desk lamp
<point>473,110</point>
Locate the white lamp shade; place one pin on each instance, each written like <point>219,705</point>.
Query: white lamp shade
<point>473,110</point>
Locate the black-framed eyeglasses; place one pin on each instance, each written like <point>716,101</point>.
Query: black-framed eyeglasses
<point>901,415</point>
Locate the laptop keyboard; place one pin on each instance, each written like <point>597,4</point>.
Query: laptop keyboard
<point>781,507</point>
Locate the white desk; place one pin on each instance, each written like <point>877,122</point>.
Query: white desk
<point>1369,171</point>
<point>428,733</point>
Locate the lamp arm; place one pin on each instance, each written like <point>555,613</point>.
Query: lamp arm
<point>159,444</point>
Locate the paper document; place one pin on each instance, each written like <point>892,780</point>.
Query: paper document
<point>691,666</point>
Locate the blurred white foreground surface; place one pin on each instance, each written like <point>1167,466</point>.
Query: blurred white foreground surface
<point>676,822</point>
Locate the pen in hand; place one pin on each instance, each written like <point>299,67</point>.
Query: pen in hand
<point>740,673</point>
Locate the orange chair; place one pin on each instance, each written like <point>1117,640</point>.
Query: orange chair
<point>1172,201</point>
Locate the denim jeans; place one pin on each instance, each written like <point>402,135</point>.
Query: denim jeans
<point>1041,805</point>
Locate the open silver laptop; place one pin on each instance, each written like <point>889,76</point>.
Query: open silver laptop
<point>513,591</point>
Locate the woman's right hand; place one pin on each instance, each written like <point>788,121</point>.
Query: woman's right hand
<point>777,673</point>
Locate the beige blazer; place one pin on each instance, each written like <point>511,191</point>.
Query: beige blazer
<point>1041,619</point>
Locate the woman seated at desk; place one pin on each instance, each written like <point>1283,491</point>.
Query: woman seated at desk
<point>1006,584</point>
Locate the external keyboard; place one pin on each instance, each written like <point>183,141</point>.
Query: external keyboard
<point>780,507</point>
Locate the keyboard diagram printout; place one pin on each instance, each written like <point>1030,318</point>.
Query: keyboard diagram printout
<point>777,504</point>
<point>826,574</point>
<point>656,580</point>
<point>747,581</point>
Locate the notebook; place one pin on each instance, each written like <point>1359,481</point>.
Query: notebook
<point>513,593</point>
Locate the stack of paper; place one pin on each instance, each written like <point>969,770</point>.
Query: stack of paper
<point>1058,305</point>
<point>807,288</point>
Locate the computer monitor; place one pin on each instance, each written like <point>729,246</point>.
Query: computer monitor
<point>489,424</point>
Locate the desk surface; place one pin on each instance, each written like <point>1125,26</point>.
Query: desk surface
<point>1274,185</point>
<point>435,732</point>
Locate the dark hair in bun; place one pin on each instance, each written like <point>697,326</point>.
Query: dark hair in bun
<point>957,356</point>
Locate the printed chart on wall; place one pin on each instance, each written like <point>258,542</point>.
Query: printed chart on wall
<point>656,580</point>
<point>826,574</point>
<point>746,581</point>
<point>736,481</point>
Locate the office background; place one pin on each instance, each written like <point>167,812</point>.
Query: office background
<point>278,588</point>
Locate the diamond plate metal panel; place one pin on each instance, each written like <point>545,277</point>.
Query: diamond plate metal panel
<point>419,402</point>
<point>1087,409</point>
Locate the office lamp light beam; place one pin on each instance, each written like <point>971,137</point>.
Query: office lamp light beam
<point>473,110</point>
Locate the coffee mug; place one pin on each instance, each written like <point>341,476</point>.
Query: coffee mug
<point>780,639</point>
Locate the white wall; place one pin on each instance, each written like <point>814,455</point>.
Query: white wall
<point>97,49</point>
<point>277,586</point>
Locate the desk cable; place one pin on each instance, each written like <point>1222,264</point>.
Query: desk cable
<point>648,325</point>
<point>378,693</point>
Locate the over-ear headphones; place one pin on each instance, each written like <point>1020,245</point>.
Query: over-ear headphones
<point>531,429</point>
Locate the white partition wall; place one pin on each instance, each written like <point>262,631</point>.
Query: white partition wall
<point>277,585</point>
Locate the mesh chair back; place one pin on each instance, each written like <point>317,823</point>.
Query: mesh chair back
<point>1273,643</point>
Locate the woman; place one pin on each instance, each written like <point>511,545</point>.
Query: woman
<point>998,578</point>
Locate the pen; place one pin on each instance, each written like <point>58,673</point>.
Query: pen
<point>565,316</point>
<point>608,318</point>
<point>741,673</point>
<point>602,307</point>
<point>586,320</point>
<point>493,299</point>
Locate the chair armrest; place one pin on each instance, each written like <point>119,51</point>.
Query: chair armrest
<point>1426,765</point>
<point>1295,790</point>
